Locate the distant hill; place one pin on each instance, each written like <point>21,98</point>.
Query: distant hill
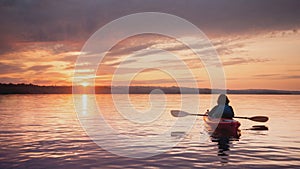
<point>36,89</point>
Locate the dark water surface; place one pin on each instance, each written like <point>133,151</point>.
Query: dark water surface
<point>42,131</point>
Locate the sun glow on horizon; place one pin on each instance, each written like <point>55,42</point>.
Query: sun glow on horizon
<point>85,84</point>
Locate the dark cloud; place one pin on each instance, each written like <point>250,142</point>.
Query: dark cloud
<point>12,80</point>
<point>40,67</point>
<point>241,60</point>
<point>75,20</point>
<point>266,75</point>
<point>226,48</point>
<point>223,47</point>
<point>6,68</point>
<point>292,77</point>
<point>129,49</point>
<point>140,47</point>
<point>276,76</point>
<point>49,20</point>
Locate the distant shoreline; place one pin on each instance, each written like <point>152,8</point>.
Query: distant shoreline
<point>6,89</point>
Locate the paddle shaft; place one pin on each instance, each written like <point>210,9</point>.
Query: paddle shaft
<point>254,118</point>
<point>198,114</point>
<point>241,117</point>
<point>207,115</point>
<point>178,113</point>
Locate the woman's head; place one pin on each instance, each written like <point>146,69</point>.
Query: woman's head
<point>223,100</point>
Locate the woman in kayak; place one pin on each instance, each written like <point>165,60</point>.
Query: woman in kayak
<point>222,110</point>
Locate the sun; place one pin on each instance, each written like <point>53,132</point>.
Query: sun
<point>84,84</point>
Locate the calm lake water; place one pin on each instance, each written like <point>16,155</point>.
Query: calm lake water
<point>43,131</point>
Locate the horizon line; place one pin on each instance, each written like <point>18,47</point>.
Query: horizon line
<point>30,84</point>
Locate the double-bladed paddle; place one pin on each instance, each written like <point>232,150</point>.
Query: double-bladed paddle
<point>180,113</point>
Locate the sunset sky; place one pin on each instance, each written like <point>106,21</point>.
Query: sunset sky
<point>258,41</point>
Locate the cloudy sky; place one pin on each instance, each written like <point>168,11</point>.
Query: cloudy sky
<point>258,41</point>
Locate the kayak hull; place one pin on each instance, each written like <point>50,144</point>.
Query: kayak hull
<point>222,127</point>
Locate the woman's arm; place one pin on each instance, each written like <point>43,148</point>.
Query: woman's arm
<point>231,111</point>
<point>210,113</point>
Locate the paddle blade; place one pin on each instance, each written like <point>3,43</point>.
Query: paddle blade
<point>259,118</point>
<point>179,113</point>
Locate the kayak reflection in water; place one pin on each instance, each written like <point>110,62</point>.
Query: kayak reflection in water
<point>222,110</point>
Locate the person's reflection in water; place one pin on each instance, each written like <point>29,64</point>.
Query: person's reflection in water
<point>223,144</point>
<point>224,141</point>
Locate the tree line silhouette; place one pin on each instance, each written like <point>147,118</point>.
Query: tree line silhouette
<point>23,88</point>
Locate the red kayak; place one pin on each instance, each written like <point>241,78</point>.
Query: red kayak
<point>222,127</point>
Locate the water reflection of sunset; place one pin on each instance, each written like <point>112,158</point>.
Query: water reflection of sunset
<point>50,132</point>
